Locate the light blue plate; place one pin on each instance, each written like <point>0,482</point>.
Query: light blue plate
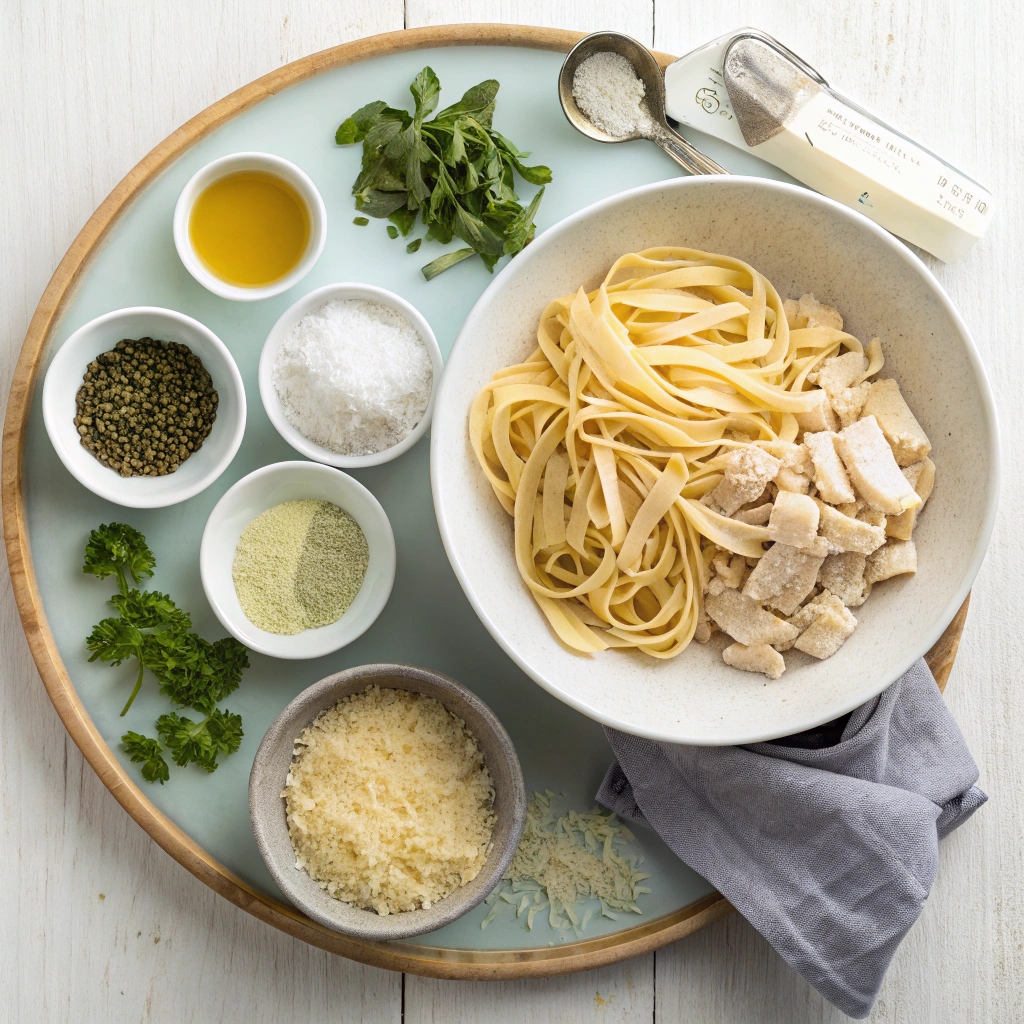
<point>428,621</point>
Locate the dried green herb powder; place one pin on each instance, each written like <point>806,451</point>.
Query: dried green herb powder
<point>299,565</point>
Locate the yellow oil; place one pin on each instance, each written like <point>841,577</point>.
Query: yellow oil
<point>249,228</point>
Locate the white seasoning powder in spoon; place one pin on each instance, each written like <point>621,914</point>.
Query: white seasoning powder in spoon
<point>354,377</point>
<point>608,90</point>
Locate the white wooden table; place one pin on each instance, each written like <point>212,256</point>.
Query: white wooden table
<point>96,923</point>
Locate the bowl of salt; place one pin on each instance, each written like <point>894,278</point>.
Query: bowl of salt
<point>348,375</point>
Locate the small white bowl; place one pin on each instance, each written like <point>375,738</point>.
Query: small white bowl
<point>270,486</point>
<point>291,316</point>
<point>64,378</point>
<point>232,164</point>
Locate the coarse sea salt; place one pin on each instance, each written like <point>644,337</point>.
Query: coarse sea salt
<point>610,93</point>
<point>354,377</point>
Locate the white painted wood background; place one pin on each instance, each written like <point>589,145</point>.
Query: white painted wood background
<point>96,923</point>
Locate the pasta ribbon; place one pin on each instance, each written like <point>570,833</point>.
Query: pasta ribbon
<point>602,443</point>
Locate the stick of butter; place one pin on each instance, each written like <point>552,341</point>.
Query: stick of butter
<point>749,90</point>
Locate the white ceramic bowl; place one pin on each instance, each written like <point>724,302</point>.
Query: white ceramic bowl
<point>803,242</point>
<point>271,164</point>
<point>291,316</point>
<point>64,377</point>
<point>263,489</point>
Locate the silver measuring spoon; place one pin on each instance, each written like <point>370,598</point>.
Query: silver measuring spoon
<point>654,127</point>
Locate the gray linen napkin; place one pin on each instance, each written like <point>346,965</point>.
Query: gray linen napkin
<point>829,853</point>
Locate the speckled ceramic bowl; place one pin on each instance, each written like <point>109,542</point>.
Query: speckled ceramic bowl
<point>266,806</point>
<point>803,242</point>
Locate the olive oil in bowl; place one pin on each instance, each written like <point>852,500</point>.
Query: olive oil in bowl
<point>249,228</point>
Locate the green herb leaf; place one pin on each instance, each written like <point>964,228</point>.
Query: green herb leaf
<point>416,182</point>
<point>425,89</point>
<point>113,640</point>
<point>114,548</point>
<point>376,176</point>
<point>538,175</point>
<point>388,136</point>
<point>348,132</point>
<point>150,609</point>
<point>404,220</point>
<point>438,232</point>
<point>380,204</point>
<point>479,101</point>
<point>361,221</point>
<point>414,245</point>
<point>520,231</point>
<point>200,742</point>
<point>443,263</point>
<point>354,128</point>
<point>228,659</point>
<point>193,672</point>
<point>392,231</point>
<point>146,751</point>
<point>473,229</point>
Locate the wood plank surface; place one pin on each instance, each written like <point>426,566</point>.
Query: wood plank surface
<point>90,86</point>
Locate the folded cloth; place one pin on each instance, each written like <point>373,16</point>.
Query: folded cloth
<point>829,853</point>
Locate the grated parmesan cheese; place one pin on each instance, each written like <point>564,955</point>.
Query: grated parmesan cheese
<point>389,802</point>
<point>564,860</point>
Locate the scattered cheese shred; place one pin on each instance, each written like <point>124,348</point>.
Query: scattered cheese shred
<point>389,802</point>
<point>565,859</point>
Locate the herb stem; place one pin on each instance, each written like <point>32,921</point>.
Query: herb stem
<point>442,263</point>
<point>135,691</point>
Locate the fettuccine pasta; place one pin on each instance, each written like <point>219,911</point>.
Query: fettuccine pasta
<point>602,443</point>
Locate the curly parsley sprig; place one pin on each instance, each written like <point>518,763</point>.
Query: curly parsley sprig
<point>191,671</point>
<point>116,548</point>
<point>219,733</point>
<point>145,751</point>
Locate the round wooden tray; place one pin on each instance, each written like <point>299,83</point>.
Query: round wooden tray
<point>436,962</point>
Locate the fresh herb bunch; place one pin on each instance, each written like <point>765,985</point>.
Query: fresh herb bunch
<point>455,170</point>
<point>192,672</point>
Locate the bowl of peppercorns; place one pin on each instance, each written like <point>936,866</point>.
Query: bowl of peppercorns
<point>144,406</point>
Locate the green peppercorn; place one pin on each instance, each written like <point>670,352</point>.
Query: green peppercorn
<point>145,406</point>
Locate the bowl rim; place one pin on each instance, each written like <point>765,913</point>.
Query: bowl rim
<point>307,304</point>
<point>241,161</point>
<point>385,566</point>
<point>354,680</point>
<point>70,459</point>
<point>988,415</point>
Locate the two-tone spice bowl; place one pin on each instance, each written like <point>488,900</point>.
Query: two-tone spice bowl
<point>267,489</point>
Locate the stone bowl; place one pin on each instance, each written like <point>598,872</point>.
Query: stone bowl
<point>267,807</point>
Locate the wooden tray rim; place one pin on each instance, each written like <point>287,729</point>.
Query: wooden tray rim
<point>415,959</point>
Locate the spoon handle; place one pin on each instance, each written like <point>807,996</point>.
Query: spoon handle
<point>686,155</point>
